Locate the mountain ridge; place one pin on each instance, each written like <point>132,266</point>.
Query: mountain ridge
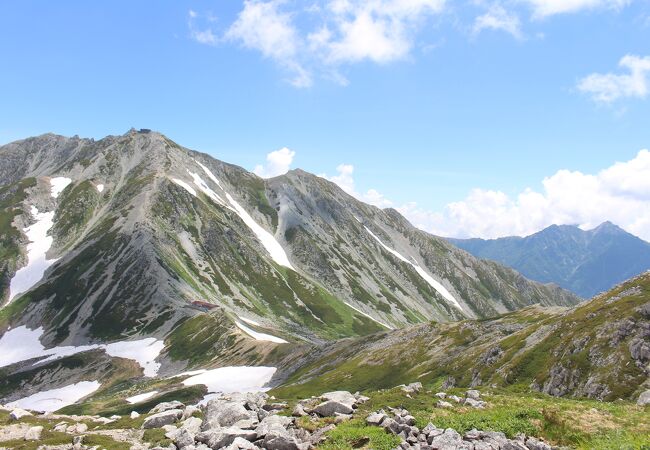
<point>586,262</point>
<point>146,227</point>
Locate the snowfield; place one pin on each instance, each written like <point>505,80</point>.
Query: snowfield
<point>428,278</point>
<point>37,263</point>
<point>58,185</point>
<point>259,336</point>
<point>185,186</point>
<point>100,188</point>
<point>232,379</point>
<point>250,321</point>
<point>141,397</point>
<point>54,399</point>
<point>21,344</point>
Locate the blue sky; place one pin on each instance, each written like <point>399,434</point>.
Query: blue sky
<point>431,102</point>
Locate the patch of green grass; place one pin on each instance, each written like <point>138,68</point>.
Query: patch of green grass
<point>356,434</point>
<point>156,437</point>
<point>104,442</point>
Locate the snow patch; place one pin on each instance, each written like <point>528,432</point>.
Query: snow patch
<point>250,321</point>
<point>198,181</point>
<point>259,336</point>
<point>54,399</point>
<point>267,239</point>
<point>233,379</point>
<point>143,351</point>
<point>37,263</point>
<point>185,186</point>
<point>21,344</point>
<point>58,184</point>
<point>428,278</point>
<point>369,316</point>
<point>141,397</point>
<point>100,188</point>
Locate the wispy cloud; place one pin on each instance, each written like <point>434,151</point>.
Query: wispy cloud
<point>609,87</point>
<point>498,18</point>
<point>546,8</point>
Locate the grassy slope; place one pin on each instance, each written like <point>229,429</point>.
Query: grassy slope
<point>517,351</point>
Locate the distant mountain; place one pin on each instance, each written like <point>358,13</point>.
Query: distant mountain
<point>585,262</point>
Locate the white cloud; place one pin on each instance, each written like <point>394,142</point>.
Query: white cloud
<point>609,87</point>
<point>620,193</point>
<point>498,18</point>
<point>277,163</point>
<point>262,26</point>
<point>345,180</point>
<point>545,8</point>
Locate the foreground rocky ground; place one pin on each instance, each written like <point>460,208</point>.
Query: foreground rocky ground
<point>406,417</point>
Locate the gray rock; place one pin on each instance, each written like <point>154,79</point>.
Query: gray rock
<point>192,425</point>
<point>223,413</point>
<point>644,399</point>
<point>188,411</point>
<point>223,437</point>
<point>455,398</point>
<point>18,413</point>
<point>283,440</point>
<point>299,411</point>
<point>443,404</point>
<point>391,426</point>
<point>376,419</point>
<point>34,434</point>
<point>441,395</point>
<point>535,444</point>
<point>134,415</point>
<point>166,406</point>
<point>474,403</point>
<point>242,444</point>
<point>184,438</point>
<point>473,394</point>
<point>161,419</point>
<point>271,424</point>
<point>341,397</point>
<point>330,407</point>
<point>449,439</point>
<point>513,445</point>
<point>412,388</point>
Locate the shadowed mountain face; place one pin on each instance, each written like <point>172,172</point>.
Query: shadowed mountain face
<point>143,228</point>
<point>585,262</point>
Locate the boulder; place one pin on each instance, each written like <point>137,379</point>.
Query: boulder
<point>535,444</point>
<point>644,399</point>
<point>134,415</point>
<point>331,407</point>
<point>162,418</point>
<point>376,418</point>
<point>166,406</point>
<point>223,413</point>
<point>444,404</point>
<point>283,440</point>
<point>192,425</point>
<point>184,438</point>
<point>222,437</point>
<point>18,413</point>
<point>77,428</point>
<point>271,424</point>
<point>441,395</point>
<point>242,444</point>
<point>189,411</point>
<point>455,398</point>
<point>473,394</point>
<point>340,396</point>
<point>412,388</point>
<point>34,434</point>
<point>299,411</point>
<point>449,439</point>
<point>474,403</point>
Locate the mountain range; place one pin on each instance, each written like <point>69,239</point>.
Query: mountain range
<point>139,235</point>
<point>586,262</point>
<point>132,267</point>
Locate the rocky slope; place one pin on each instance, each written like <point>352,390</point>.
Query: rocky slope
<point>584,262</point>
<point>600,349</point>
<point>146,227</point>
